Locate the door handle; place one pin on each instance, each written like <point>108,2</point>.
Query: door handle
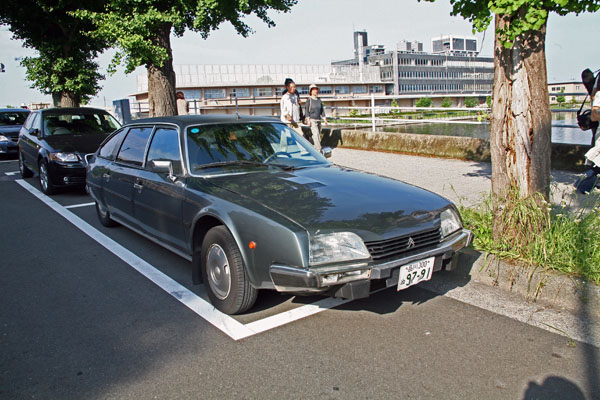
<point>106,176</point>
<point>138,186</point>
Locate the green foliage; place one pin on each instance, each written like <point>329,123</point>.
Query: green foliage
<point>140,28</point>
<point>64,60</point>
<point>423,102</point>
<point>568,240</point>
<point>471,102</point>
<point>353,113</point>
<point>523,15</point>
<point>446,102</point>
<point>394,103</point>
<point>488,101</point>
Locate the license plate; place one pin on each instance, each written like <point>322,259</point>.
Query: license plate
<point>419,271</point>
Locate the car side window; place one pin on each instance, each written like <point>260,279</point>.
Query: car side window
<point>37,122</point>
<point>109,148</point>
<point>134,146</point>
<point>29,121</point>
<point>165,146</point>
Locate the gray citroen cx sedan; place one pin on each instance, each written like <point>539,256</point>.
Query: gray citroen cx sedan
<point>254,206</point>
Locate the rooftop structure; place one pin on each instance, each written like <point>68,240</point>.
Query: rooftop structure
<point>454,45</point>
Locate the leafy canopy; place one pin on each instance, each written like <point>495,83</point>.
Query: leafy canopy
<point>524,15</point>
<point>135,26</point>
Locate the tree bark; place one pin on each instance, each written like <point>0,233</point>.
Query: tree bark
<point>65,99</point>
<point>521,121</point>
<point>161,79</point>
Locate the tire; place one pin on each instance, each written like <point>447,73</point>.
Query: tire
<point>104,217</point>
<point>25,172</point>
<point>224,273</point>
<point>45,179</point>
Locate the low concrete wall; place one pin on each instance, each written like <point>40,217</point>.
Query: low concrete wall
<point>564,156</point>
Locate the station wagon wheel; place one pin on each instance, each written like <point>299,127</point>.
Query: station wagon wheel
<point>45,182</point>
<point>25,172</point>
<point>104,216</point>
<point>224,273</point>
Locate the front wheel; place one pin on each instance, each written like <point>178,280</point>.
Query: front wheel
<point>104,217</point>
<point>45,180</point>
<point>224,273</point>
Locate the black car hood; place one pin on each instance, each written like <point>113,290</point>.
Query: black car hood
<point>325,199</point>
<point>83,144</point>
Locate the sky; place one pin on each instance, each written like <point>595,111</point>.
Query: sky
<point>317,32</point>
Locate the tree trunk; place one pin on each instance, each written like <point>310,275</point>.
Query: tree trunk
<point>521,122</point>
<point>65,99</point>
<point>161,80</point>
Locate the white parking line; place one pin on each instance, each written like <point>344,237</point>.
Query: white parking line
<point>7,161</point>
<point>224,322</point>
<point>79,205</point>
<point>11,173</point>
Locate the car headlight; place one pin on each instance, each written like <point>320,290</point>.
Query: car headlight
<point>65,157</point>
<point>450,222</point>
<point>3,138</point>
<point>337,247</point>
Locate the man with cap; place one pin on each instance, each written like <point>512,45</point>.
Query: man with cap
<point>314,111</point>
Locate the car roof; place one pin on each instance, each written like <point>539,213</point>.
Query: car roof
<point>187,120</point>
<point>14,109</point>
<point>68,110</point>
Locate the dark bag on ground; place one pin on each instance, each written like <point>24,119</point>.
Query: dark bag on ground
<point>587,182</point>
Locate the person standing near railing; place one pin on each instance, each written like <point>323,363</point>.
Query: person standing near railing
<point>183,108</point>
<point>314,111</point>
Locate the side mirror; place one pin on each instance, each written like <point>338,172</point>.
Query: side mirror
<point>35,132</point>
<point>163,167</point>
<point>326,151</point>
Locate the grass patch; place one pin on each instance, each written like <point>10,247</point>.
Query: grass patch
<point>568,241</point>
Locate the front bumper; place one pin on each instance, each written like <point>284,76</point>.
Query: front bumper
<point>63,174</point>
<point>297,280</point>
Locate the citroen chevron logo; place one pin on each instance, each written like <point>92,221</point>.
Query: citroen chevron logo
<point>411,243</point>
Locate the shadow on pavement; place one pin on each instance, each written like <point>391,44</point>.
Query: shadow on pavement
<point>553,387</point>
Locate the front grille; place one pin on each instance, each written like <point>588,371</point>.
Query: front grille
<point>399,246</point>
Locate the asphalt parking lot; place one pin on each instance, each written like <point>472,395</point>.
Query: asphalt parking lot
<point>92,312</point>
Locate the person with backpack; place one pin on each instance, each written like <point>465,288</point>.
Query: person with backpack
<point>588,120</point>
<point>314,111</point>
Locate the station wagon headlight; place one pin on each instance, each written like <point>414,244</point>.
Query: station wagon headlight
<point>3,138</point>
<point>337,247</point>
<point>65,157</point>
<point>450,222</point>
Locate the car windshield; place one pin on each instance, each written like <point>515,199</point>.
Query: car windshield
<point>8,118</point>
<point>249,145</point>
<point>78,123</point>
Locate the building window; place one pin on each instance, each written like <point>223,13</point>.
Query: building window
<point>240,92</point>
<point>342,89</point>
<point>376,88</point>
<point>325,90</point>
<point>263,92</point>
<point>363,88</point>
<point>302,89</point>
<point>214,93</point>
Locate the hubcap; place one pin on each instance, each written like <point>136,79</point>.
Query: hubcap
<point>43,176</point>
<point>219,273</point>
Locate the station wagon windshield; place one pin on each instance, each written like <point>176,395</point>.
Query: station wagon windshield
<point>78,123</point>
<point>249,145</point>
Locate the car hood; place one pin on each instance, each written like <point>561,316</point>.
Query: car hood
<point>10,130</point>
<point>76,143</point>
<point>329,199</point>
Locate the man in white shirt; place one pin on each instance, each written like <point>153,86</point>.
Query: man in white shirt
<point>290,106</point>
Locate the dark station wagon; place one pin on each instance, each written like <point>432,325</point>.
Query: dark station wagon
<point>255,206</point>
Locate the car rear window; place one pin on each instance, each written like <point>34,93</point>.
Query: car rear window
<point>8,118</point>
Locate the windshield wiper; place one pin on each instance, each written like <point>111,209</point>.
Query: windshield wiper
<point>241,162</point>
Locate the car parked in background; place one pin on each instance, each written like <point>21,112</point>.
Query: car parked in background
<point>11,120</point>
<point>53,142</point>
<point>254,206</point>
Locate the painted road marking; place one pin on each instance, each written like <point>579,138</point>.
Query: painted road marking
<point>11,173</point>
<point>80,205</point>
<point>7,161</point>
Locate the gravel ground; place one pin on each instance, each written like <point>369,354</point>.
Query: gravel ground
<point>463,182</point>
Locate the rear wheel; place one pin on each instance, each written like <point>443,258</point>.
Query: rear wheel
<point>104,217</point>
<point>224,273</point>
<point>25,172</point>
<point>45,181</point>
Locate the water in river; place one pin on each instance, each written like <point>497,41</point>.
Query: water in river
<point>564,129</point>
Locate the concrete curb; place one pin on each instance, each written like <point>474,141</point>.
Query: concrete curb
<point>534,284</point>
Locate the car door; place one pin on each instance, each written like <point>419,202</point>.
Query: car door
<point>29,139</point>
<point>158,196</point>
<point>119,178</point>
<point>99,170</point>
